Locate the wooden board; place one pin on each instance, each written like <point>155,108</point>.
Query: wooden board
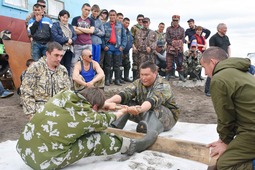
<point>19,53</point>
<point>180,148</point>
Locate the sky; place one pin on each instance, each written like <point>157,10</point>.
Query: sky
<point>238,15</point>
<point>202,133</point>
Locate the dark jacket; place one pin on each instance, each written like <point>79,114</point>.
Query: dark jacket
<point>129,42</point>
<point>121,38</point>
<point>233,95</point>
<point>58,35</point>
<point>40,31</point>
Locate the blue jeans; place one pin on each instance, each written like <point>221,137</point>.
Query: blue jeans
<point>1,88</point>
<point>66,61</point>
<point>96,52</point>
<point>38,50</point>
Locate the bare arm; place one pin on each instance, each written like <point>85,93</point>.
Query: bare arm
<point>76,74</point>
<point>100,73</point>
<point>136,110</point>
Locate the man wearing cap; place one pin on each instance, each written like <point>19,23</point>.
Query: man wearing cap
<point>160,57</point>
<point>134,31</point>
<point>145,44</point>
<point>192,30</point>
<point>175,38</point>
<point>191,62</point>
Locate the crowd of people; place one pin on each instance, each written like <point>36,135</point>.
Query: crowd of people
<point>66,120</point>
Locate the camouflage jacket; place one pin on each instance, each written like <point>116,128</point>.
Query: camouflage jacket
<point>175,37</point>
<point>145,38</point>
<point>161,36</point>
<point>191,61</point>
<point>53,133</point>
<point>134,30</point>
<point>160,93</point>
<point>40,83</point>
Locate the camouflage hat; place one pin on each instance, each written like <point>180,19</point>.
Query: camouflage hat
<point>160,44</point>
<point>146,19</point>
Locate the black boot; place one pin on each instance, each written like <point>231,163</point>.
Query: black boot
<point>120,122</point>
<point>134,75</point>
<point>107,72</point>
<point>150,122</point>
<point>117,77</point>
<point>181,77</point>
<point>111,74</point>
<point>139,145</point>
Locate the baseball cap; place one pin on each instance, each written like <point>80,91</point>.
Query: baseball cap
<point>193,44</point>
<point>160,44</point>
<point>146,19</point>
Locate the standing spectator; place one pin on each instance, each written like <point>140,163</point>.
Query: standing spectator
<point>87,72</point>
<point>42,3</point>
<point>134,31</point>
<point>39,27</point>
<point>114,42</point>
<point>97,34</point>
<point>220,39</point>
<point>146,41</point>
<point>161,35</point>
<point>191,31</point>
<point>104,15</point>
<point>125,57</point>
<point>84,27</point>
<point>175,38</point>
<point>64,34</point>
<point>120,17</point>
<point>4,93</point>
<point>233,97</point>
<point>200,39</point>
<point>43,80</point>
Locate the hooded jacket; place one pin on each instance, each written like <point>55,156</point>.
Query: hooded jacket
<point>233,95</point>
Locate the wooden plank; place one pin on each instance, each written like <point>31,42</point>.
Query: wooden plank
<point>19,53</point>
<point>180,148</point>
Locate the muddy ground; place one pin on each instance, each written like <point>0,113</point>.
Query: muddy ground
<point>195,108</point>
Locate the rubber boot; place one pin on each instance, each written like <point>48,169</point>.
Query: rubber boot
<point>150,123</point>
<point>181,77</point>
<point>172,74</point>
<point>121,122</point>
<point>117,77</point>
<point>111,74</point>
<point>139,145</point>
<point>107,72</point>
<point>121,79</point>
<point>134,75</point>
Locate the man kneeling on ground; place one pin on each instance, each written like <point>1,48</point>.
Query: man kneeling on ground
<point>70,128</point>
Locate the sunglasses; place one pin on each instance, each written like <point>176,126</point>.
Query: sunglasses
<point>140,19</point>
<point>90,56</point>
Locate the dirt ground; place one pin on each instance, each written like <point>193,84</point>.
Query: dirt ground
<point>195,108</point>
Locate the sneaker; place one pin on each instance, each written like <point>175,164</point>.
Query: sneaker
<point>6,94</point>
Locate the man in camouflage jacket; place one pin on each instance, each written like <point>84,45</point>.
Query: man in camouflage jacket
<point>145,44</point>
<point>44,79</point>
<point>70,128</point>
<point>151,101</point>
<point>191,63</point>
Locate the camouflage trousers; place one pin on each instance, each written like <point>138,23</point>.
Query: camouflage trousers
<point>174,58</point>
<point>142,57</point>
<point>164,115</point>
<point>93,144</point>
<point>134,64</point>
